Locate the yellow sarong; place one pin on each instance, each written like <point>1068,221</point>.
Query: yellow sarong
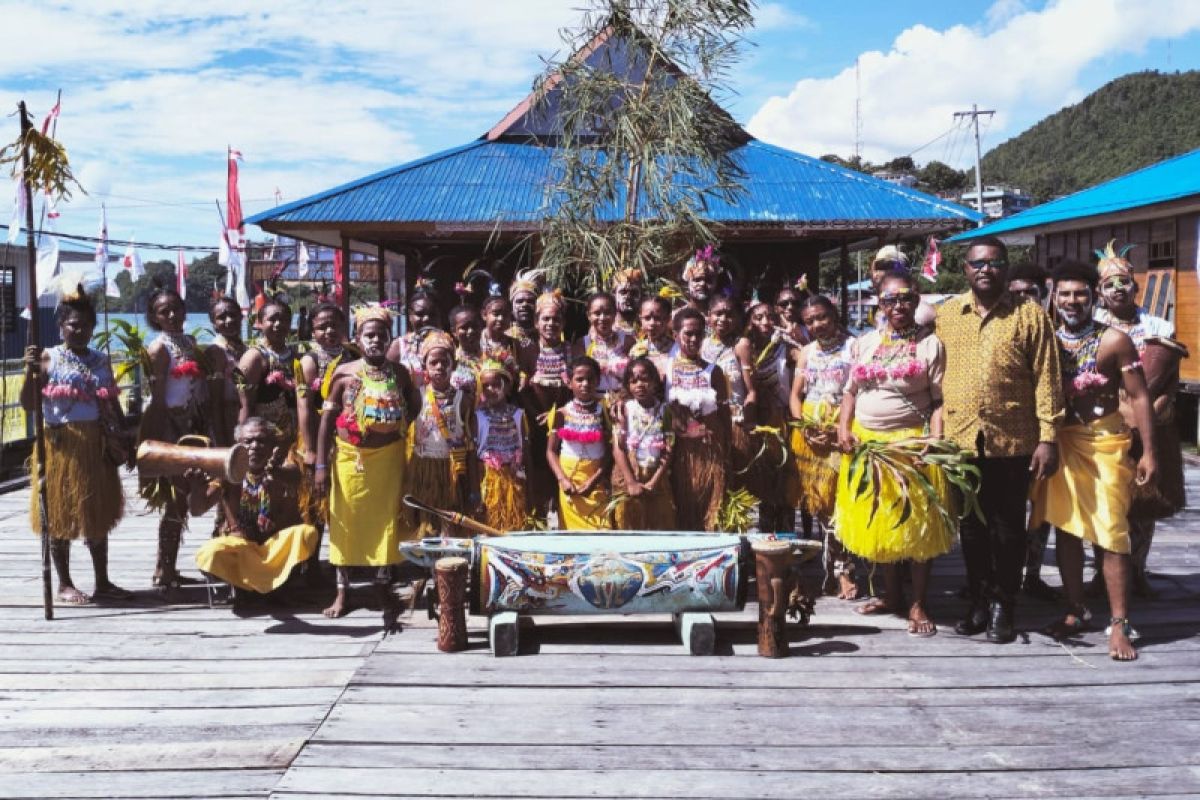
<point>816,472</point>
<point>924,535</point>
<point>1090,493</point>
<point>364,505</point>
<point>582,512</point>
<point>259,567</point>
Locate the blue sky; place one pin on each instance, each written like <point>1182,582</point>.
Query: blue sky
<point>318,93</point>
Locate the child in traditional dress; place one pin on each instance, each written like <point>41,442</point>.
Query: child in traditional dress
<point>263,536</point>
<point>466,327</point>
<point>423,314</point>
<point>494,342</point>
<point>578,452</point>
<point>223,356</point>
<point>768,473</point>
<point>720,348</point>
<point>642,452</point>
<point>501,451</point>
<point>84,444</point>
<point>544,363</point>
<point>603,343</point>
<point>269,371</point>
<point>370,403</point>
<point>698,393</point>
<point>177,405</point>
<point>822,370</point>
<point>443,471</point>
<point>656,342</point>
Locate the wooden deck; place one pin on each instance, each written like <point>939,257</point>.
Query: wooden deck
<point>150,700</point>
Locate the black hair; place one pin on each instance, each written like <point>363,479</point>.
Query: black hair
<point>584,361</point>
<point>1027,271</point>
<point>326,308</point>
<point>158,294</point>
<point>277,303</point>
<point>601,296</point>
<point>435,310</point>
<point>642,361</point>
<point>989,241</point>
<point>494,300</point>
<point>897,275</point>
<point>663,303</point>
<point>79,303</point>
<point>685,314</point>
<point>728,300</point>
<point>1075,271</point>
<point>818,301</point>
<point>459,310</point>
<point>223,300</point>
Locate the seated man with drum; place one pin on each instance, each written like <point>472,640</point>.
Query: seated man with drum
<point>264,536</point>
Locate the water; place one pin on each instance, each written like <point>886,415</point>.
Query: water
<point>197,324</point>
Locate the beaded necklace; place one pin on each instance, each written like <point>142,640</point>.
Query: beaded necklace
<point>501,440</point>
<point>582,424</point>
<point>73,378</point>
<point>254,504</point>
<point>1079,356</point>
<point>466,369</point>
<point>895,357</point>
<point>182,351</point>
<point>646,435</point>
<point>551,366</point>
<point>281,367</point>
<point>610,358</point>
<point>826,369</point>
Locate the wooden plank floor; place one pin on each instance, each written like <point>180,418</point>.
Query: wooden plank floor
<point>150,700</point>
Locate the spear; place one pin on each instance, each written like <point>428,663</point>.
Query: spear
<point>39,428</point>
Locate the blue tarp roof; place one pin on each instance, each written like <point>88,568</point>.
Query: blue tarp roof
<point>486,183</point>
<point>1158,183</point>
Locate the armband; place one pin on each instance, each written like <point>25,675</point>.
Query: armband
<point>328,406</point>
<point>1132,366</point>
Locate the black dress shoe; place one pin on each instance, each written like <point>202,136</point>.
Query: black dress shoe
<point>1000,624</point>
<point>975,622</point>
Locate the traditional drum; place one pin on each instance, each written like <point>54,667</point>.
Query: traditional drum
<point>623,573</point>
<point>773,577</point>
<point>450,575</point>
<point>162,459</point>
<point>1166,496</point>
<point>428,551</point>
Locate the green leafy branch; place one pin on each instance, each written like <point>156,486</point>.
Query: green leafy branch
<point>905,462</point>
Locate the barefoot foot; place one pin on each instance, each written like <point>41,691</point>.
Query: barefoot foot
<point>876,605</point>
<point>69,595</point>
<point>1120,641</point>
<point>847,588</point>
<point>339,607</point>
<point>110,591</point>
<point>919,623</point>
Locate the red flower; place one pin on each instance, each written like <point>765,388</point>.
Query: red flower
<point>348,424</point>
<point>187,369</point>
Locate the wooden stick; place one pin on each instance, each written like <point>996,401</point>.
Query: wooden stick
<point>39,427</point>
<point>453,517</point>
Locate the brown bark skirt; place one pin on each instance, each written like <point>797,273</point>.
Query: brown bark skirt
<point>83,489</point>
<point>698,482</point>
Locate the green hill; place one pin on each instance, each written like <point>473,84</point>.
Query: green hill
<point>1134,121</point>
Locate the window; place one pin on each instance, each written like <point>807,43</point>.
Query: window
<point>1162,244</point>
<point>1158,297</point>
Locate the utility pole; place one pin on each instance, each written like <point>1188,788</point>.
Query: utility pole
<point>857,115</point>
<point>975,114</point>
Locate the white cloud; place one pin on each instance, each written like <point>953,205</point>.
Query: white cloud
<point>776,16</point>
<point>1021,60</point>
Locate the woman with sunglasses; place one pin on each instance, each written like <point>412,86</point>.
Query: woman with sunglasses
<point>894,393</point>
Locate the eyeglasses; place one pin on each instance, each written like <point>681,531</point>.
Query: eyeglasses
<point>994,264</point>
<point>1118,283</point>
<point>909,298</point>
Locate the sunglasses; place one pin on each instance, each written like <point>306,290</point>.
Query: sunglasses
<point>908,298</point>
<point>994,264</point>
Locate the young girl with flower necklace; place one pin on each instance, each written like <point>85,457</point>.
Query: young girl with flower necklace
<point>544,365</point>
<point>177,405</point>
<point>822,370</point>
<point>223,375</point>
<point>656,342</point>
<point>724,327</point>
<point>365,418</point>
<point>466,327</point>
<point>495,343</point>
<point>578,452</point>
<point>698,393</point>
<point>270,374</point>
<point>502,453</point>
<point>768,476</point>
<point>443,471</point>
<point>82,416</point>
<point>603,343</point>
<point>642,452</point>
<point>894,393</point>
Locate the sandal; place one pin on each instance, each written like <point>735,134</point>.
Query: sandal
<point>921,628</point>
<point>1130,634</point>
<point>1074,623</point>
<point>876,605</point>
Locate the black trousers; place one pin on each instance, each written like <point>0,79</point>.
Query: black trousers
<point>994,548</point>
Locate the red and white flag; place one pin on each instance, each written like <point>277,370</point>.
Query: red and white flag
<point>133,262</point>
<point>49,120</point>
<point>101,259</point>
<point>180,274</point>
<point>933,259</point>
<point>301,260</point>
<point>230,255</point>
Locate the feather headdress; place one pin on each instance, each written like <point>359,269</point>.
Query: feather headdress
<point>705,260</point>
<point>529,280</point>
<point>1113,262</point>
<point>372,312</point>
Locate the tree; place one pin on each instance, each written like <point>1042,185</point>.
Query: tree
<point>639,133</point>
<point>937,177</point>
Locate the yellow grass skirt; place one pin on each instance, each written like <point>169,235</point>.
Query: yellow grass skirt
<point>503,496</point>
<point>924,535</point>
<point>83,489</point>
<point>1090,493</point>
<point>259,567</point>
<point>582,512</point>
<point>651,511</point>
<point>431,481</point>
<point>364,505</point>
<point>816,471</point>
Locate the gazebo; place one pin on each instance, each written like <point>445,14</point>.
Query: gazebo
<point>437,214</point>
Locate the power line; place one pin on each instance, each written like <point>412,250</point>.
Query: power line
<point>74,237</point>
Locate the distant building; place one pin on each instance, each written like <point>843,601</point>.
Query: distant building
<point>896,178</point>
<point>998,201</point>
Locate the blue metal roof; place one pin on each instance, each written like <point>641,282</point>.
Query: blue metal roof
<point>487,183</point>
<point>1158,183</point>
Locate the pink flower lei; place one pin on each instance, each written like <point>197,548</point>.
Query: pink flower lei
<point>187,369</point>
<point>279,378</point>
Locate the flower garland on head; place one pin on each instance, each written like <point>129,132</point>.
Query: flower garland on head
<point>706,259</point>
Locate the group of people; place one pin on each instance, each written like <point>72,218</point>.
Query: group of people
<point>660,417</point>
